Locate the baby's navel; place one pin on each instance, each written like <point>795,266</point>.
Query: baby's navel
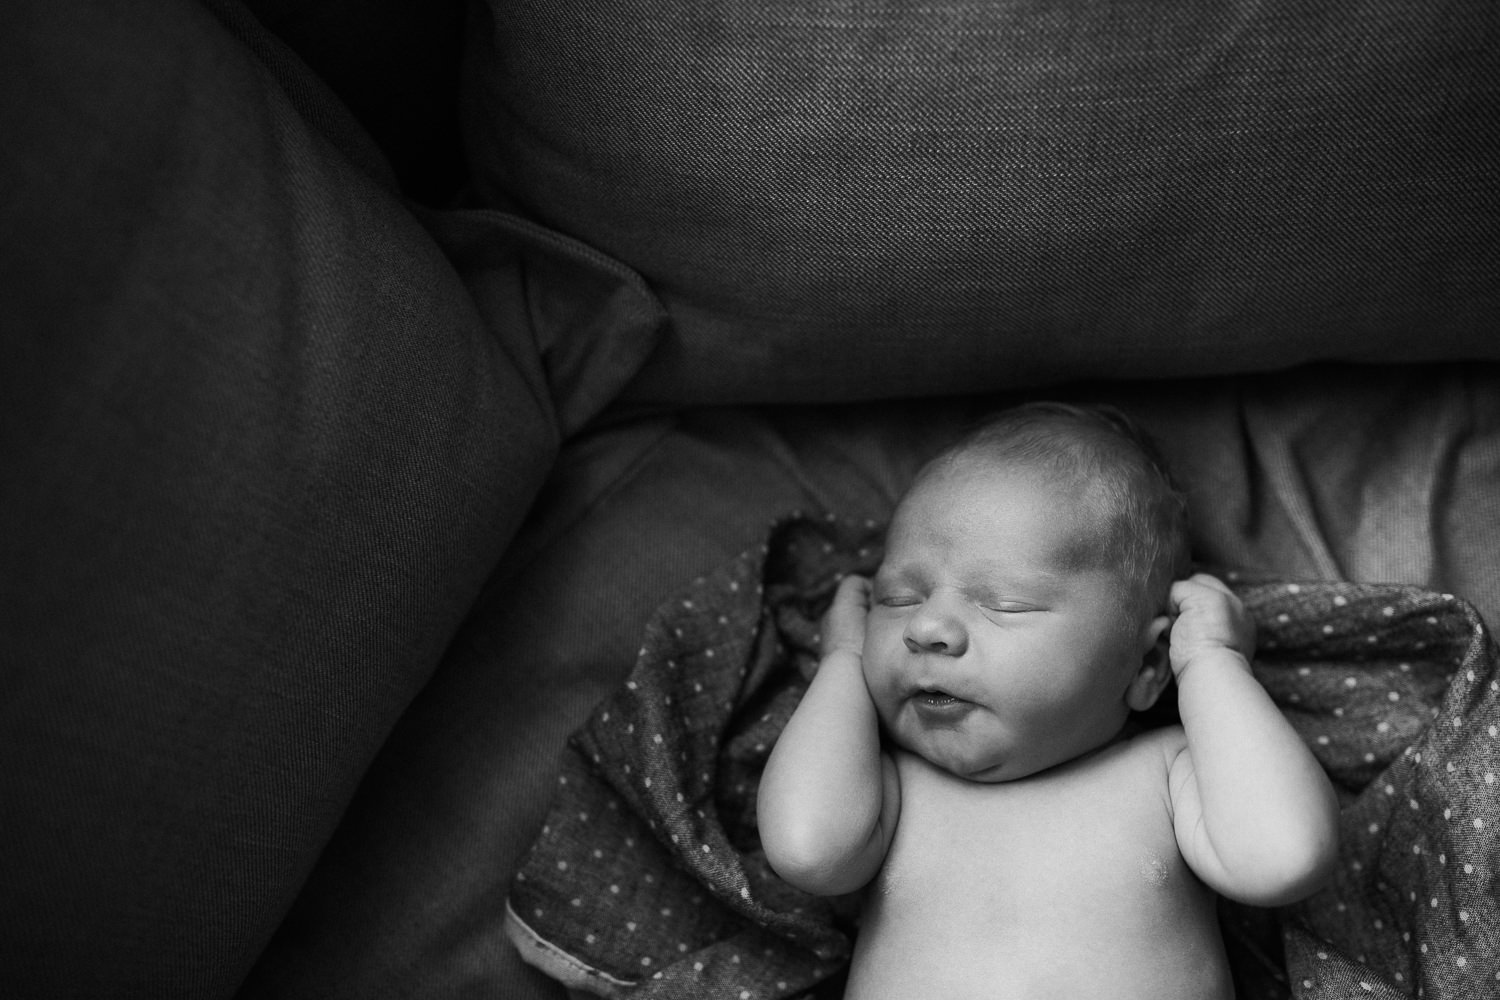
<point>1154,870</point>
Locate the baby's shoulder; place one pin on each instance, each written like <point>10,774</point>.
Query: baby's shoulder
<point>1169,740</point>
<point>1151,750</point>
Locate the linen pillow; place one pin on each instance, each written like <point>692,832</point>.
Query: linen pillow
<point>850,201</point>
<point>260,452</point>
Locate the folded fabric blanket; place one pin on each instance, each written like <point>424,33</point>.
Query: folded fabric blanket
<point>648,879</point>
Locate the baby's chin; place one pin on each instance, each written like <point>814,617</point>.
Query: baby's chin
<point>986,764</point>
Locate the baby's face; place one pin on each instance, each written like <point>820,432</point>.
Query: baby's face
<point>984,652</point>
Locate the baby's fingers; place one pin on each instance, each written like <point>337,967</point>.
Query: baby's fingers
<point>853,590</point>
<point>1200,586</point>
<point>1209,613</point>
<point>844,625</point>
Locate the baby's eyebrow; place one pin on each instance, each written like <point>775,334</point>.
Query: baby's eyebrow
<point>890,576</point>
<point>998,572</point>
<point>1028,588</point>
<point>992,597</point>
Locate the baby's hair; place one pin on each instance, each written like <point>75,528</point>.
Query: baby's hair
<point>1117,472</point>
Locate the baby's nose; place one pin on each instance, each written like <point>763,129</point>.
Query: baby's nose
<point>936,629</point>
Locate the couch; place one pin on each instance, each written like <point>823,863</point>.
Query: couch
<point>371,372</point>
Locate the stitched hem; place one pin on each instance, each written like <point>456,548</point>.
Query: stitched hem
<point>560,965</point>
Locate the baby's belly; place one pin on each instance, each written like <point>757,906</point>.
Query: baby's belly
<point>1056,951</point>
<point>1068,889</point>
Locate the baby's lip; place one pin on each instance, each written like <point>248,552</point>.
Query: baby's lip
<point>935,691</point>
<point>935,704</point>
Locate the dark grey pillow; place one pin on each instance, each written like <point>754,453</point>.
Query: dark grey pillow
<point>258,454</point>
<point>853,200</point>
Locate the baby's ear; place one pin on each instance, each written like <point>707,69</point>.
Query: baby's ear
<point>1155,669</point>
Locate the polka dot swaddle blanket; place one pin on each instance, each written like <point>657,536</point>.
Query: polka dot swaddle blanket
<point>648,879</point>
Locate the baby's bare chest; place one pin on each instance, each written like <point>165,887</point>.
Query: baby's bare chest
<point>1014,878</point>
<point>1106,820</point>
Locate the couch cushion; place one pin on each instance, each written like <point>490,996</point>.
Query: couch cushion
<point>259,453</point>
<point>844,202</point>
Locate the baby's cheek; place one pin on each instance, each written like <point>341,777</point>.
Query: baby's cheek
<point>883,684</point>
<point>882,644</point>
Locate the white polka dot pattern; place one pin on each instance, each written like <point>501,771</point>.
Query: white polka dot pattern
<point>648,876</point>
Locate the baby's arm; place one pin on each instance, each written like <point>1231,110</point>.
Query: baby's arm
<point>1255,815</point>
<point>829,797</point>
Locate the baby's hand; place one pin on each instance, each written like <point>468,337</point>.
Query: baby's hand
<point>844,624</point>
<point>1209,619</point>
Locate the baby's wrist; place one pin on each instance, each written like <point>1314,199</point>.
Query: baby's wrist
<point>850,654</point>
<point>1215,656</point>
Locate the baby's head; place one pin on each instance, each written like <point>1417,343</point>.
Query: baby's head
<point>1017,616</point>
<point>1104,471</point>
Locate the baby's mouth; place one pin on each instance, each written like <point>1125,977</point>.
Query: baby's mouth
<point>938,707</point>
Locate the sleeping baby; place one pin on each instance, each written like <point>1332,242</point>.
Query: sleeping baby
<point>965,753</point>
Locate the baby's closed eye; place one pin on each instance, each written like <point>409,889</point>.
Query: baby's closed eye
<point>1009,607</point>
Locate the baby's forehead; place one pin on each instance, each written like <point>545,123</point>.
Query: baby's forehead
<point>963,500</point>
<point>989,481</point>
<point>953,513</point>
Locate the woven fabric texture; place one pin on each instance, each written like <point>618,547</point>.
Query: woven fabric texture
<point>843,200</point>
